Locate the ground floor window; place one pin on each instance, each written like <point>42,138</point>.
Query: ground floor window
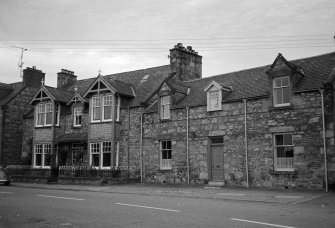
<point>284,156</point>
<point>165,155</point>
<point>101,154</point>
<point>42,155</point>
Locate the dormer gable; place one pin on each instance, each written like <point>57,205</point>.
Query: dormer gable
<point>283,78</point>
<point>100,85</point>
<point>214,91</point>
<point>43,95</point>
<point>77,98</point>
<point>281,67</point>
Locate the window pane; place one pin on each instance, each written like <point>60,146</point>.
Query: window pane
<point>96,113</point>
<point>95,159</point>
<point>106,159</point>
<point>279,140</point>
<point>38,160</point>
<point>288,139</point>
<point>286,95</point>
<point>279,96</point>
<point>107,112</point>
<point>216,140</point>
<point>277,82</point>
<point>168,145</point>
<point>48,118</point>
<point>285,81</point>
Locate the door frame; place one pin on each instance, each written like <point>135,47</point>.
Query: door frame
<point>210,144</point>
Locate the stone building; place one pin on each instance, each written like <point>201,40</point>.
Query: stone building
<point>14,101</point>
<point>270,126</point>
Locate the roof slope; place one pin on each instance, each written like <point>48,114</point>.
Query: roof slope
<point>7,93</point>
<point>60,94</point>
<point>251,83</point>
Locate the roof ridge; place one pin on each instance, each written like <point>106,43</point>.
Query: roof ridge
<point>137,70</point>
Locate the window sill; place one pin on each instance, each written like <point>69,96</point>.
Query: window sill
<point>164,170</point>
<point>41,127</point>
<point>165,120</point>
<point>286,107</point>
<point>281,172</point>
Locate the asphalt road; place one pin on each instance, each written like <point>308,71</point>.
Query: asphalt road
<point>31,207</point>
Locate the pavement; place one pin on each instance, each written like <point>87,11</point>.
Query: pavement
<point>283,196</point>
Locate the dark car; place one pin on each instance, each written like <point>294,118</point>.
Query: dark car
<point>4,176</point>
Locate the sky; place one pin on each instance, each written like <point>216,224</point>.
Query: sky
<point>88,36</point>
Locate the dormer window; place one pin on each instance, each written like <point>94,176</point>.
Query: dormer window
<point>281,91</point>
<point>165,107</point>
<point>77,114</point>
<point>213,100</point>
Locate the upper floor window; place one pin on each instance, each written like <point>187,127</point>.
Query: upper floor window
<point>44,112</point>
<point>284,156</point>
<point>165,107</point>
<point>77,115</point>
<point>117,105</point>
<point>281,91</point>
<point>214,103</point>
<point>102,110</point>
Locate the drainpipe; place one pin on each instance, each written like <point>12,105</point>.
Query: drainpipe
<point>141,149</point>
<point>324,138</point>
<point>187,146</point>
<point>246,142</point>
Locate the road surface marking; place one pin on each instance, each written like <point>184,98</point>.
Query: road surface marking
<point>6,193</point>
<point>289,197</point>
<point>231,194</point>
<point>261,223</point>
<point>155,208</point>
<point>59,197</point>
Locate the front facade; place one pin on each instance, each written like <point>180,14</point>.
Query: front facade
<point>270,126</point>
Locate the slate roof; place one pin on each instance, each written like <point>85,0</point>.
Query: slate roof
<point>60,94</point>
<point>8,94</point>
<point>251,83</point>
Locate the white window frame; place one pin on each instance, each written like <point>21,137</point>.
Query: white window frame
<point>117,106</point>
<point>100,149</point>
<point>210,98</point>
<point>77,111</point>
<point>117,155</point>
<point>96,103</point>
<point>106,148</point>
<point>41,112</point>
<point>101,103</point>
<point>57,114</point>
<point>165,164</point>
<point>43,150</point>
<point>107,102</point>
<point>281,87</point>
<point>165,102</point>
<point>95,149</point>
<point>288,160</point>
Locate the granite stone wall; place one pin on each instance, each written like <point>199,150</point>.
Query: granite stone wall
<point>303,120</point>
<point>13,126</point>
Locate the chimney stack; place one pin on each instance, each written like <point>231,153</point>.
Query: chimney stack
<point>65,78</point>
<point>32,77</point>
<point>185,62</point>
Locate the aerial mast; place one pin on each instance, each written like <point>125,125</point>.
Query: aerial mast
<point>20,63</point>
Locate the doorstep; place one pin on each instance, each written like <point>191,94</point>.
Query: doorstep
<point>216,184</point>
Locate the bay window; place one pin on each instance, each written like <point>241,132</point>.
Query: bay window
<point>101,154</point>
<point>42,156</point>
<point>44,112</point>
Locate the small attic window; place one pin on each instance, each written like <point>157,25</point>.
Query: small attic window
<point>145,78</point>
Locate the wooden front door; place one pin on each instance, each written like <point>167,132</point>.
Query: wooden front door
<point>216,159</point>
